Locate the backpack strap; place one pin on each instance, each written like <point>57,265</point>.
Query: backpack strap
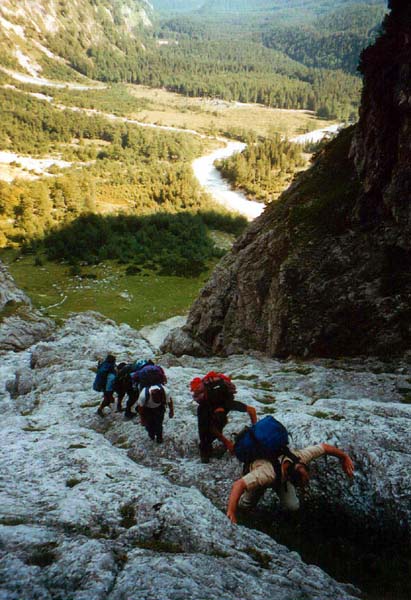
<point>285,451</point>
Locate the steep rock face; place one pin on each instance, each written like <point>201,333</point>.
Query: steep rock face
<point>326,271</point>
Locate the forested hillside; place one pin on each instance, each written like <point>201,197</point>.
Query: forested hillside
<point>177,5</point>
<point>292,9</point>
<point>118,167</point>
<point>211,53</point>
<point>53,37</point>
<point>287,55</point>
<point>235,50</point>
<point>332,42</point>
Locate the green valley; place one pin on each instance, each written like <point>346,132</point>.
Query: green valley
<point>100,126</point>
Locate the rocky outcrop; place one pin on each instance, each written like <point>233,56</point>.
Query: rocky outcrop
<point>82,516</point>
<point>20,324</point>
<point>92,508</point>
<point>9,292</point>
<point>326,271</point>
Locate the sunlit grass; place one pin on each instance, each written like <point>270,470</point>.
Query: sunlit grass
<point>205,115</point>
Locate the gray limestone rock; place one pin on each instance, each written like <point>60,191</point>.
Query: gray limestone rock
<point>23,329</point>
<point>9,292</point>
<point>91,503</point>
<point>92,509</point>
<point>20,325</point>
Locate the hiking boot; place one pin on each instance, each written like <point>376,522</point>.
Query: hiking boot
<point>119,408</point>
<point>100,412</point>
<point>205,458</point>
<point>159,439</point>
<point>129,415</point>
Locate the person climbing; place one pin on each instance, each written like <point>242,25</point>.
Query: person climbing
<point>284,470</point>
<point>151,404</point>
<point>145,373</point>
<point>214,394</point>
<point>104,382</point>
<point>126,382</point>
<point>120,386</point>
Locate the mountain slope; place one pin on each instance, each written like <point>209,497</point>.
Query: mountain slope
<point>327,270</point>
<point>313,7</point>
<point>334,41</point>
<point>48,36</point>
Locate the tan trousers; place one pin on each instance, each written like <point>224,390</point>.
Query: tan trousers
<point>287,495</point>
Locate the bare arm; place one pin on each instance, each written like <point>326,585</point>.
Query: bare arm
<point>171,408</point>
<point>346,462</point>
<point>252,414</point>
<point>236,492</point>
<point>227,443</point>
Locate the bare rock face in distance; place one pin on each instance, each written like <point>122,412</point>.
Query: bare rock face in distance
<point>326,270</point>
<point>20,324</point>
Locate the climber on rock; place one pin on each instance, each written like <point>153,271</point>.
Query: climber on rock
<point>104,382</point>
<point>151,404</point>
<point>284,472</point>
<point>214,394</point>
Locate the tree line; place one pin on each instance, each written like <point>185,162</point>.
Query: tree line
<point>202,60</point>
<point>332,42</point>
<point>170,244</point>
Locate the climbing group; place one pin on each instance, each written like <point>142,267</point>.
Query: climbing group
<point>144,384</point>
<point>263,448</point>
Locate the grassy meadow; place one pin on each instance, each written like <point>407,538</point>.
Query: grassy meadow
<point>219,117</point>
<point>206,115</point>
<point>137,300</point>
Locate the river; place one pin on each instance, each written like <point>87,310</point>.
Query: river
<point>206,173</point>
<point>210,179</point>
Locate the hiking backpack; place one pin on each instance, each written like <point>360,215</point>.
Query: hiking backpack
<point>149,375</point>
<point>268,439</point>
<point>219,390</point>
<point>99,384</point>
<point>158,395</point>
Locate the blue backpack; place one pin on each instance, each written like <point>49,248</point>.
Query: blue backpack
<point>268,439</point>
<point>100,380</point>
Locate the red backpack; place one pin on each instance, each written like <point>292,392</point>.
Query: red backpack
<point>215,388</point>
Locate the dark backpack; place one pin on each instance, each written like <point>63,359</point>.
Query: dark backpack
<point>149,375</point>
<point>158,395</point>
<point>123,381</point>
<point>100,380</point>
<point>219,391</point>
<point>268,439</point>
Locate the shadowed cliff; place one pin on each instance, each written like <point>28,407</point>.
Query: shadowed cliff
<point>326,270</point>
